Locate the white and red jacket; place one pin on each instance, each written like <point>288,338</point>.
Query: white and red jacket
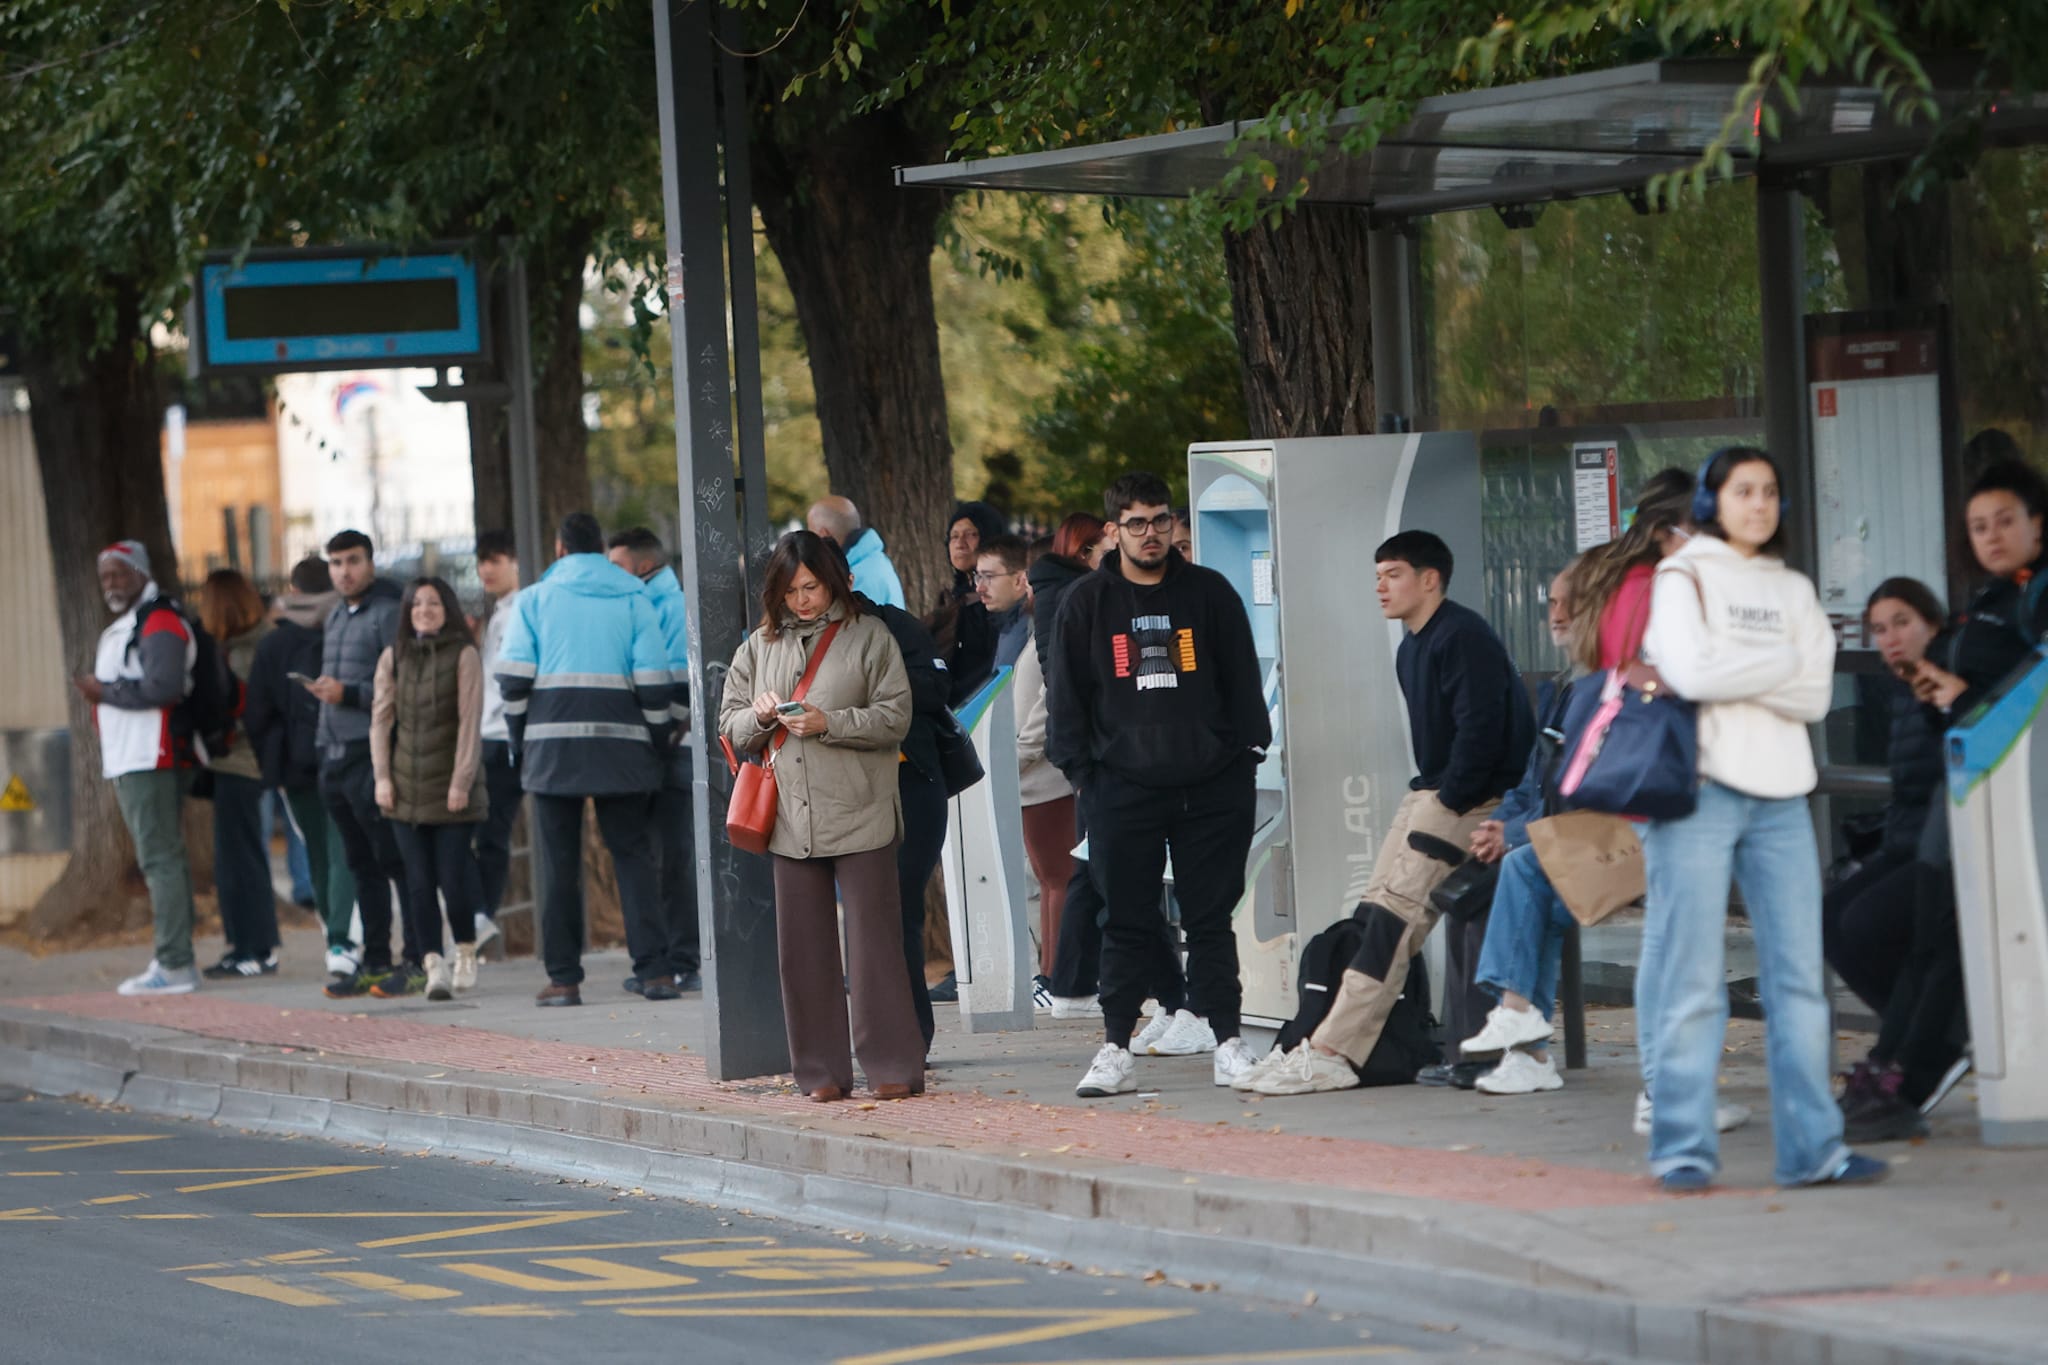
<point>142,678</point>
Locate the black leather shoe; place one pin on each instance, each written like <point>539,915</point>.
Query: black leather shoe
<point>659,989</point>
<point>1461,1075</point>
<point>946,992</point>
<point>555,996</point>
<point>689,981</point>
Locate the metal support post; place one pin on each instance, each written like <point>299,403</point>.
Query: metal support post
<point>1781,287</point>
<point>735,896</point>
<point>1388,265</point>
<point>518,367</point>
<point>759,538</point>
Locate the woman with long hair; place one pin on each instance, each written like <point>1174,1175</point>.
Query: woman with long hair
<point>1737,632</point>
<point>1610,604</point>
<point>426,748</point>
<point>234,615</point>
<point>838,816</point>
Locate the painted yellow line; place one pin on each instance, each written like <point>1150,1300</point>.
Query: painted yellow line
<point>583,1246</point>
<point>24,1175</point>
<point>1077,1324</point>
<point>515,1310</point>
<point>287,1257</point>
<point>386,1284</point>
<point>117,1199</point>
<point>713,1297</point>
<point>1244,1358</point>
<point>582,1275</point>
<point>266,1175</point>
<point>257,1287</point>
<point>170,1218</point>
<point>30,1215</point>
<point>204,1265</point>
<point>493,1222</point>
<point>73,1144</point>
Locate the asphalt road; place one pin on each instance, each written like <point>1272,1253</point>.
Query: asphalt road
<point>128,1240</point>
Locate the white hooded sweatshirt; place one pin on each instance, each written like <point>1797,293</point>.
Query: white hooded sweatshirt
<point>1755,650</point>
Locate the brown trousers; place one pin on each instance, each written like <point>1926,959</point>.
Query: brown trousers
<point>1401,882</point>
<point>885,1034</point>
<point>1049,844</point>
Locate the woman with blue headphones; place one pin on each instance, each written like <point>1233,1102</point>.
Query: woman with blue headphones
<point>1736,631</point>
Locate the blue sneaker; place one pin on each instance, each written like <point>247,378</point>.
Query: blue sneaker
<point>1857,1169</point>
<point>1686,1180</point>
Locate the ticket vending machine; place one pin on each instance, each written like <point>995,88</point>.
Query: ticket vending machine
<point>1293,524</point>
<point>1998,825</point>
<point>984,867</point>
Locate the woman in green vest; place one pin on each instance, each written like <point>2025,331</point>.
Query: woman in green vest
<point>426,745</point>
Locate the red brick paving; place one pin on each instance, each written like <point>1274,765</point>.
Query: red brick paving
<point>965,1118</point>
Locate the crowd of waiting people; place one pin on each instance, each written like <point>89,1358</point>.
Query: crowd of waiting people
<point>399,734</point>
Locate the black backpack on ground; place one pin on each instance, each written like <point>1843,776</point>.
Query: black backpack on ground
<point>209,710</point>
<point>1407,1043</point>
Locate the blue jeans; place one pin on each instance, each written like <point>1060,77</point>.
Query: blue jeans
<point>1767,848</point>
<point>1524,933</point>
<point>296,859</point>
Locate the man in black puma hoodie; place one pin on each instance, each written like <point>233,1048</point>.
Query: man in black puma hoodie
<point>1158,717</point>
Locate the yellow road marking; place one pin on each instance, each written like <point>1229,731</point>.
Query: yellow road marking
<point>31,1215</point>
<point>267,1175</point>
<point>813,1293</point>
<point>23,1175</point>
<point>583,1246</point>
<point>170,1218</point>
<point>286,1257</point>
<point>516,1310</point>
<point>1080,1324</point>
<point>800,1263</point>
<point>73,1144</point>
<point>257,1287</point>
<point>117,1199</point>
<point>494,1222</point>
<point>1245,1357</point>
<point>386,1284</point>
<point>590,1276</point>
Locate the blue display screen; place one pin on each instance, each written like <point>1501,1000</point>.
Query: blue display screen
<point>341,310</point>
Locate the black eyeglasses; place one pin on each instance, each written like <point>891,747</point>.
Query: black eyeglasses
<point>1137,526</point>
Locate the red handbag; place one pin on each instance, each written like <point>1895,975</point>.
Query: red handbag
<point>750,814</point>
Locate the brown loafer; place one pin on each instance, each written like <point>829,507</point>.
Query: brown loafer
<point>895,1092</point>
<point>555,995</point>
<point>827,1094</point>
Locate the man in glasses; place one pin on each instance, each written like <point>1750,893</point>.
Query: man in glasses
<point>999,580</point>
<point>1158,717</point>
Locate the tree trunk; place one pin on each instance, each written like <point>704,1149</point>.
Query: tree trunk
<point>1302,306</point>
<point>97,444</point>
<point>561,441</point>
<point>857,253</point>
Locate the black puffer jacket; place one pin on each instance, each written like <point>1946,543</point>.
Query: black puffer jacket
<point>1989,640</point>
<point>927,683</point>
<point>281,717</point>
<point>1916,766</point>
<point>1050,578</point>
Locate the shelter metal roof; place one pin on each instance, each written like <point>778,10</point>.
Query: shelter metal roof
<point>1562,138</point>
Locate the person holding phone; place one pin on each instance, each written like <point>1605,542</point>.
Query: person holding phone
<point>426,748</point>
<point>838,816</point>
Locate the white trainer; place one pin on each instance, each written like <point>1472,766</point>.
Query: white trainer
<point>159,980</point>
<point>1727,1117</point>
<point>1155,1028</point>
<point>1308,1071</point>
<point>1260,1069</point>
<point>1506,1030</point>
<point>462,974</point>
<point>1076,1007</point>
<point>343,961</point>
<point>1234,1059</point>
<point>486,930</point>
<point>440,980</point>
<point>1113,1072</point>
<point>1188,1035</point>
<point>1521,1073</point>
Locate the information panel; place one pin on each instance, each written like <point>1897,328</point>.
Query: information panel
<point>1596,494</point>
<point>297,310</point>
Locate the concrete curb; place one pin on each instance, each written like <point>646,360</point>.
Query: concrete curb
<point>1356,1253</point>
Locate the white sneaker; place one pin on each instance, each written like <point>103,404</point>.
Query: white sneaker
<point>343,961</point>
<point>1727,1117</point>
<point>486,929</point>
<point>1113,1072</point>
<point>1506,1030</point>
<point>1308,1071</point>
<point>1186,1036</point>
<point>463,974</point>
<point>440,981</point>
<point>1041,995</point>
<point>1260,1069</point>
<point>1234,1059</point>
<point>1155,1028</point>
<point>1520,1073</point>
<point>156,980</point>
<point>1076,1007</point>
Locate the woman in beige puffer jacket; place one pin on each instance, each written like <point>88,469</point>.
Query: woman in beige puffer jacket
<point>838,818</point>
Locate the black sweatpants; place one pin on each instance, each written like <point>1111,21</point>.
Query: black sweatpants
<point>348,786</point>
<point>1866,926</point>
<point>675,846</point>
<point>924,838</point>
<point>1924,1022</point>
<point>493,837</point>
<point>1209,826</point>
<point>627,824</point>
<point>438,864</point>
<point>1077,966</point>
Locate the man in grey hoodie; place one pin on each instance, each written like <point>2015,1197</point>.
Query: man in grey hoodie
<point>359,629</point>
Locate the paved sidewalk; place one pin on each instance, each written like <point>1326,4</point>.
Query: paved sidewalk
<point>1543,1193</point>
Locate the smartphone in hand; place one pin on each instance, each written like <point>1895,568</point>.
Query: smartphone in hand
<point>790,708</point>
<point>300,678</point>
